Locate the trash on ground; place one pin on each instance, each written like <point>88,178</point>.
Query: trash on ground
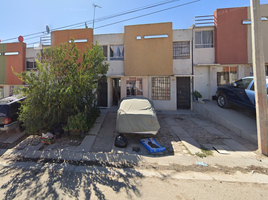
<point>200,100</point>
<point>136,149</point>
<point>202,163</point>
<point>152,146</point>
<point>120,141</point>
<point>48,138</point>
<point>220,149</point>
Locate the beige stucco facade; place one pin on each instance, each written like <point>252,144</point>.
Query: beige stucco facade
<point>151,56</point>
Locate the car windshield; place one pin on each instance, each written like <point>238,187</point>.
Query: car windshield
<point>243,83</point>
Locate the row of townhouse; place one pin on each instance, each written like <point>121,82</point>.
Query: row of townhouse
<point>155,61</point>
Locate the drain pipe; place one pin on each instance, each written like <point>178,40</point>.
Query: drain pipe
<point>192,77</point>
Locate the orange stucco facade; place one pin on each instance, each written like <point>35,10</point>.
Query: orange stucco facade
<point>152,56</point>
<point>63,36</point>
<point>15,61</point>
<point>231,36</point>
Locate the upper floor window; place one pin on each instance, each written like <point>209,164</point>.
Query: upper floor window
<point>204,39</point>
<point>105,52</point>
<point>181,50</point>
<point>117,52</point>
<point>30,64</point>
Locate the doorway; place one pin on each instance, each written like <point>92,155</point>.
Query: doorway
<point>116,91</point>
<point>183,93</point>
<point>102,94</point>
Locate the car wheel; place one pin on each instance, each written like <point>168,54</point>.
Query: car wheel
<point>222,101</point>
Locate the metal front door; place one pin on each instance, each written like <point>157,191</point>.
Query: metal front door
<point>102,94</point>
<point>183,93</point>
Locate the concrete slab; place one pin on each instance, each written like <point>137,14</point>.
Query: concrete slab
<point>50,147</point>
<point>14,137</point>
<point>200,122</point>
<point>4,135</point>
<point>214,131</point>
<point>53,154</point>
<point>95,129</point>
<point>24,143</point>
<point>87,143</point>
<point>2,151</point>
<point>170,121</point>
<point>240,124</point>
<point>101,118</point>
<point>191,145</point>
<point>234,145</point>
<point>33,148</point>
<point>180,132</point>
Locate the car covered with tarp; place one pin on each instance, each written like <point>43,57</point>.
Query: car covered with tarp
<point>137,115</point>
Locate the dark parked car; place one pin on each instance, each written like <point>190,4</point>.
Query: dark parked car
<point>9,112</point>
<point>239,93</point>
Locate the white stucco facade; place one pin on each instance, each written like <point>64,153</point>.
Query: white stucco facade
<point>183,66</point>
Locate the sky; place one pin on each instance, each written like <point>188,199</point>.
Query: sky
<point>26,17</point>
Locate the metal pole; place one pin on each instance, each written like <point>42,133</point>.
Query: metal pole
<point>94,13</point>
<point>259,77</point>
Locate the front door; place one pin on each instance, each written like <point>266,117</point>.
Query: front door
<point>183,93</point>
<point>102,94</point>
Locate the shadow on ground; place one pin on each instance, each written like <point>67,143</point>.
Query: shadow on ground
<point>43,181</point>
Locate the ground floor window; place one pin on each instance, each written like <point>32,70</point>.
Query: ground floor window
<point>266,70</point>
<point>160,88</point>
<point>134,86</point>
<point>226,75</point>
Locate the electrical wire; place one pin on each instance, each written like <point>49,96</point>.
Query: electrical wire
<point>147,14</point>
<point>122,20</point>
<point>100,19</point>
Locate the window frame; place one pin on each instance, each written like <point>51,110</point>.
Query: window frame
<point>158,93</point>
<point>136,89</point>
<point>201,44</point>
<point>117,57</point>
<point>230,78</point>
<point>34,64</point>
<point>178,50</point>
<point>105,53</point>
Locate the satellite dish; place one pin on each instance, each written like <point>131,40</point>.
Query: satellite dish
<point>47,29</point>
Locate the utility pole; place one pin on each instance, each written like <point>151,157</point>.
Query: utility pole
<point>259,77</point>
<point>94,13</point>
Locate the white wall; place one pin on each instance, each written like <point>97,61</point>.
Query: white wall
<point>165,104</point>
<point>201,81</point>
<point>32,52</point>
<point>116,67</point>
<point>183,66</point>
<point>203,55</point>
<point>212,81</point>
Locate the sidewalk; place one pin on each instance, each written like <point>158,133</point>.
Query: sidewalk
<point>183,132</point>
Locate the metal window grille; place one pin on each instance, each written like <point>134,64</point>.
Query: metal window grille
<point>181,50</point>
<point>160,88</point>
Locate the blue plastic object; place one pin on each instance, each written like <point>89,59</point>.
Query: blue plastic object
<point>152,146</point>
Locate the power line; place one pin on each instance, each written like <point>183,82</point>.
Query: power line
<point>126,19</point>
<point>147,14</point>
<point>100,19</point>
